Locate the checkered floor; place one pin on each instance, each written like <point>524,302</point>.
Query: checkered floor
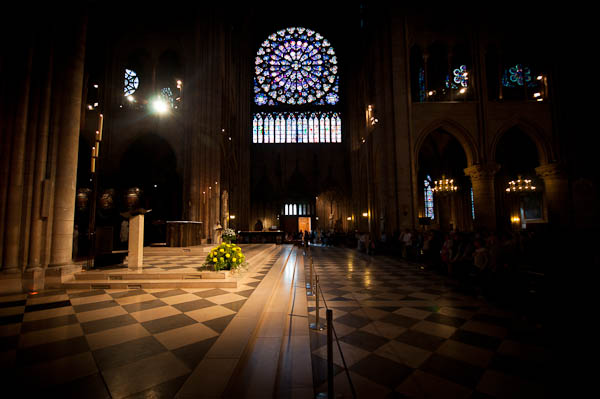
<point>114,343</point>
<point>406,332</point>
<point>184,264</point>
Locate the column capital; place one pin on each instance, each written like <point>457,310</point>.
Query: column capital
<point>551,170</point>
<point>482,171</point>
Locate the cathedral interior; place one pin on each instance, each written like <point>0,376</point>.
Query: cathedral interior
<point>353,122</point>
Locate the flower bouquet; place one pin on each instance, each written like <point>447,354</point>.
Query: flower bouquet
<point>225,257</point>
<point>228,235</point>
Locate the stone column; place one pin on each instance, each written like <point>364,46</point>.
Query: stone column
<point>482,179</point>
<point>68,136</point>
<point>14,203</point>
<point>556,186</point>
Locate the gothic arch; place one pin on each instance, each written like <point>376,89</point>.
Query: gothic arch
<point>536,135</point>
<point>455,130</point>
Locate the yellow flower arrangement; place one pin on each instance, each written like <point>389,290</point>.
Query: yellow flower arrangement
<point>225,257</point>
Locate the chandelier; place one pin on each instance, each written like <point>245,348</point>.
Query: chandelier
<point>520,186</point>
<point>444,186</point>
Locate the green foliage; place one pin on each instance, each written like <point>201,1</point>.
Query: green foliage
<point>225,257</point>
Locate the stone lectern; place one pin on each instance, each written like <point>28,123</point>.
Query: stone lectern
<point>135,257</point>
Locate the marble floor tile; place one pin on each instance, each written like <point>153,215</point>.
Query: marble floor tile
<point>351,354</point>
<point>182,336</point>
<point>412,312</point>
<point>131,351</point>
<point>383,329</point>
<point>157,326</point>
<point>425,385</point>
<point>226,298</point>
<point>467,353</point>
<point>98,314</point>
<point>50,335</point>
<point>209,313</point>
<point>143,374</point>
<point>403,353</point>
<point>115,336</point>
<point>440,330</point>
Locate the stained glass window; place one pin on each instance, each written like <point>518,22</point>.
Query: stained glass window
<point>422,89</point>
<point>296,127</point>
<point>428,194</point>
<point>167,95</point>
<point>296,210</point>
<point>518,75</point>
<point>472,205</point>
<point>296,66</point>
<point>459,79</point>
<point>132,82</point>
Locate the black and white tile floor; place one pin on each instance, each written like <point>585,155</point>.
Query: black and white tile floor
<point>406,332</point>
<point>114,343</point>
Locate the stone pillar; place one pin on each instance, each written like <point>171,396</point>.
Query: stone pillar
<point>556,186</point>
<point>14,204</point>
<point>68,136</point>
<point>482,179</point>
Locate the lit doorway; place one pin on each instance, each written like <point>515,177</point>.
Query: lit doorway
<point>304,224</point>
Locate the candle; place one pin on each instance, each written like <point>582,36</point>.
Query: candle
<point>97,149</point>
<point>100,122</point>
<point>93,168</point>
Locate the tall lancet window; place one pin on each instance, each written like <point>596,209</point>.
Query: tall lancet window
<point>296,89</point>
<point>428,195</point>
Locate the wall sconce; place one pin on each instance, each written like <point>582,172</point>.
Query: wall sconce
<point>365,214</point>
<point>349,218</point>
<point>231,216</point>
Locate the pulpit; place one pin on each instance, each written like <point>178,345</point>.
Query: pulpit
<point>136,237</point>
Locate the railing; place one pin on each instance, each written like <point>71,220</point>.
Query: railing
<point>314,289</point>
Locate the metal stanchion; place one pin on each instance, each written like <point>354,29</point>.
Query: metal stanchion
<point>316,325</point>
<point>330,391</point>
<point>311,285</point>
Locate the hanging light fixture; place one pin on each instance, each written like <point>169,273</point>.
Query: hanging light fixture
<point>444,186</point>
<point>520,186</point>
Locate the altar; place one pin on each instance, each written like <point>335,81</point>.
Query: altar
<point>261,237</point>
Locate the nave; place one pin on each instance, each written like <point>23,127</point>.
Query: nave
<point>403,332</point>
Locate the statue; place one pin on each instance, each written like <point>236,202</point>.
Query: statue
<point>218,231</point>
<point>225,208</point>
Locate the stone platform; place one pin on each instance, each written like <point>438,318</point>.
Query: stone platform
<point>164,267</point>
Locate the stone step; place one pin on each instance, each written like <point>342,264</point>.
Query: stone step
<point>132,275</point>
<point>126,279</point>
<point>147,283</point>
<point>196,250</point>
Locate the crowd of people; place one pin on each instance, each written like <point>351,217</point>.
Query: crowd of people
<point>497,265</point>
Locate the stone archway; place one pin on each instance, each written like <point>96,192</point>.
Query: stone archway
<point>453,128</point>
<point>517,154</point>
<point>442,154</point>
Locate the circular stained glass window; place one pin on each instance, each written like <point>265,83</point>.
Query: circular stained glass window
<point>296,66</point>
<point>132,82</point>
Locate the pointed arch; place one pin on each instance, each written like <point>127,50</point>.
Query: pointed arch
<point>457,131</point>
<point>535,133</point>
